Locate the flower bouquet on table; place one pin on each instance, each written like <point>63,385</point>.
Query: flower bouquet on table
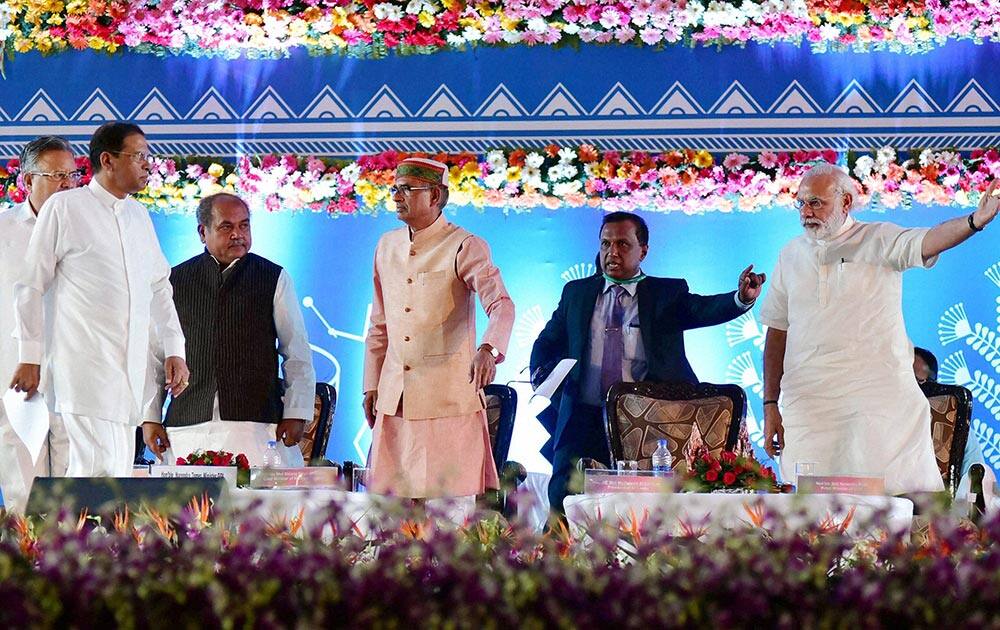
<point>220,458</point>
<point>729,473</point>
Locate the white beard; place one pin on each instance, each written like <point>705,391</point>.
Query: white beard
<point>826,229</point>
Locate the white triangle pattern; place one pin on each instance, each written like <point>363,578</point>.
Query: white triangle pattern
<point>501,103</point>
<point>154,107</point>
<point>97,107</point>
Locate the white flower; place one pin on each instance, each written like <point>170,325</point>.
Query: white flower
<point>534,160</point>
<point>495,180</point>
<point>454,39</point>
<point>496,160</point>
<point>538,25</point>
<point>926,157</point>
<point>863,167</point>
<point>512,37</point>
<point>567,155</point>
<point>566,188</point>
<point>386,11</point>
<point>829,32</point>
<point>414,7</point>
<point>472,34</point>
<point>351,172</point>
<point>571,28</point>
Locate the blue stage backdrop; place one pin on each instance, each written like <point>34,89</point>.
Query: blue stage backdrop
<point>951,309</point>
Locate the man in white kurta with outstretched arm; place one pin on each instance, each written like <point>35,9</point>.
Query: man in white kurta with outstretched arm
<point>47,167</point>
<point>95,251</point>
<point>838,379</point>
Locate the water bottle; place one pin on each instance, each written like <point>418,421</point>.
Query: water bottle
<point>662,460</point>
<point>272,459</point>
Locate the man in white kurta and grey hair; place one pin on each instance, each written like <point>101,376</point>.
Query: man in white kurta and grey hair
<point>47,167</point>
<point>95,251</point>
<point>838,379</point>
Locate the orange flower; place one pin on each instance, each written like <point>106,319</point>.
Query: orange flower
<point>674,159</point>
<point>552,150</point>
<point>588,153</point>
<point>516,158</point>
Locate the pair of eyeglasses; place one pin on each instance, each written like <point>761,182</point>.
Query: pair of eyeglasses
<point>815,203</point>
<point>138,158</point>
<point>406,189</point>
<point>62,176</point>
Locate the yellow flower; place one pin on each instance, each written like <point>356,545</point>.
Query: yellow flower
<point>703,159</point>
<point>426,19</point>
<point>513,173</point>
<point>95,42</point>
<point>22,44</point>
<point>232,179</point>
<point>215,170</point>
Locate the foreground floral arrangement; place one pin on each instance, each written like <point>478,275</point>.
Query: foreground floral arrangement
<point>730,471</point>
<point>555,177</point>
<point>372,29</point>
<point>207,569</point>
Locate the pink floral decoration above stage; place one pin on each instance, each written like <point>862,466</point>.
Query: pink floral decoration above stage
<point>520,180</point>
<point>263,28</point>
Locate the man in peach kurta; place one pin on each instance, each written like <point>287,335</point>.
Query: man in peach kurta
<point>424,373</point>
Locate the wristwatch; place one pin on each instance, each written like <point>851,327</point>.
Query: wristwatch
<point>493,351</point>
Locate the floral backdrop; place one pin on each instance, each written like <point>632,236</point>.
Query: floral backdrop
<point>692,182</point>
<point>372,29</point>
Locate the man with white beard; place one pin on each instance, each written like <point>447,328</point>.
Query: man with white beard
<point>47,167</point>
<point>94,251</point>
<point>836,352</point>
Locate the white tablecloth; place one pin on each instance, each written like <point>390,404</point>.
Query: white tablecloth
<point>729,511</point>
<point>357,510</point>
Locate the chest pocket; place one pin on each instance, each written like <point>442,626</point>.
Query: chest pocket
<point>851,279</point>
<point>433,278</point>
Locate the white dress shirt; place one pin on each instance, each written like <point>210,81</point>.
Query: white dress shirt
<point>849,401</point>
<point>100,259</point>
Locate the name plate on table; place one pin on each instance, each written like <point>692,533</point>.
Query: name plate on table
<point>840,484</point>
<point>614,482</point>
<point>309,477</point>
<point>195,472</point>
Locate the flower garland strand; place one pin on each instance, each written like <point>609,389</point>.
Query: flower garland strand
<point>519,180</point>
<point>257,28</point>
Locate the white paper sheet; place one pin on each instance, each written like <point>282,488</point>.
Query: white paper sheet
<point>29,419</point>
<point>554,380</point>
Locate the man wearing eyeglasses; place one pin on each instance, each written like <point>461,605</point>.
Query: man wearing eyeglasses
<point>424,373</point>
<point>839,390</point>
<point>47,167</point>
<point>95,254</point>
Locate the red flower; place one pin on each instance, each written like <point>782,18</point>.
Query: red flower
<point>218,461</point>
<point>729,478</point>
<point>181,461</point>
<point>712,475</point>
<point>242,461</point>
<point>728,457</point>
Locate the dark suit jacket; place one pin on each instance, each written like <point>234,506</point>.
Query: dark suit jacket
<point>666,310</point>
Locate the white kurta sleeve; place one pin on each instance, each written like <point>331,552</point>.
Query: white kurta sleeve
<point>900,247</point>
<point>154,393</point>
<point>293,346</point>
<point>44,252</point>
<point>774,306</point>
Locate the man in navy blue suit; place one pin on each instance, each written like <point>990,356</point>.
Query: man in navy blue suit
<point>620,326</point>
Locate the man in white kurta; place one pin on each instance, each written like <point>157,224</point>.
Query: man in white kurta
<point>837,353</point>
<point>47,166</point>
<point>97,254</point>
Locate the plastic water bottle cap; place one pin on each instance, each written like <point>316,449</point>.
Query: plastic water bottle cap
<point>272,444</point>
<point>661,443</point>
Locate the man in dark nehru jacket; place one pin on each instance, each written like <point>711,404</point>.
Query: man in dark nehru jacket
<point>239,312</point>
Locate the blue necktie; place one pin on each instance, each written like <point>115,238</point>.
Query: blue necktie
<point>614,342</point>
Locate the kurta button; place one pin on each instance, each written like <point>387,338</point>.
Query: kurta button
<point>409,281</point>
<point>406,368</point>
<point>413,252</point>
<point>406,338</point>
<point>406,310</point>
